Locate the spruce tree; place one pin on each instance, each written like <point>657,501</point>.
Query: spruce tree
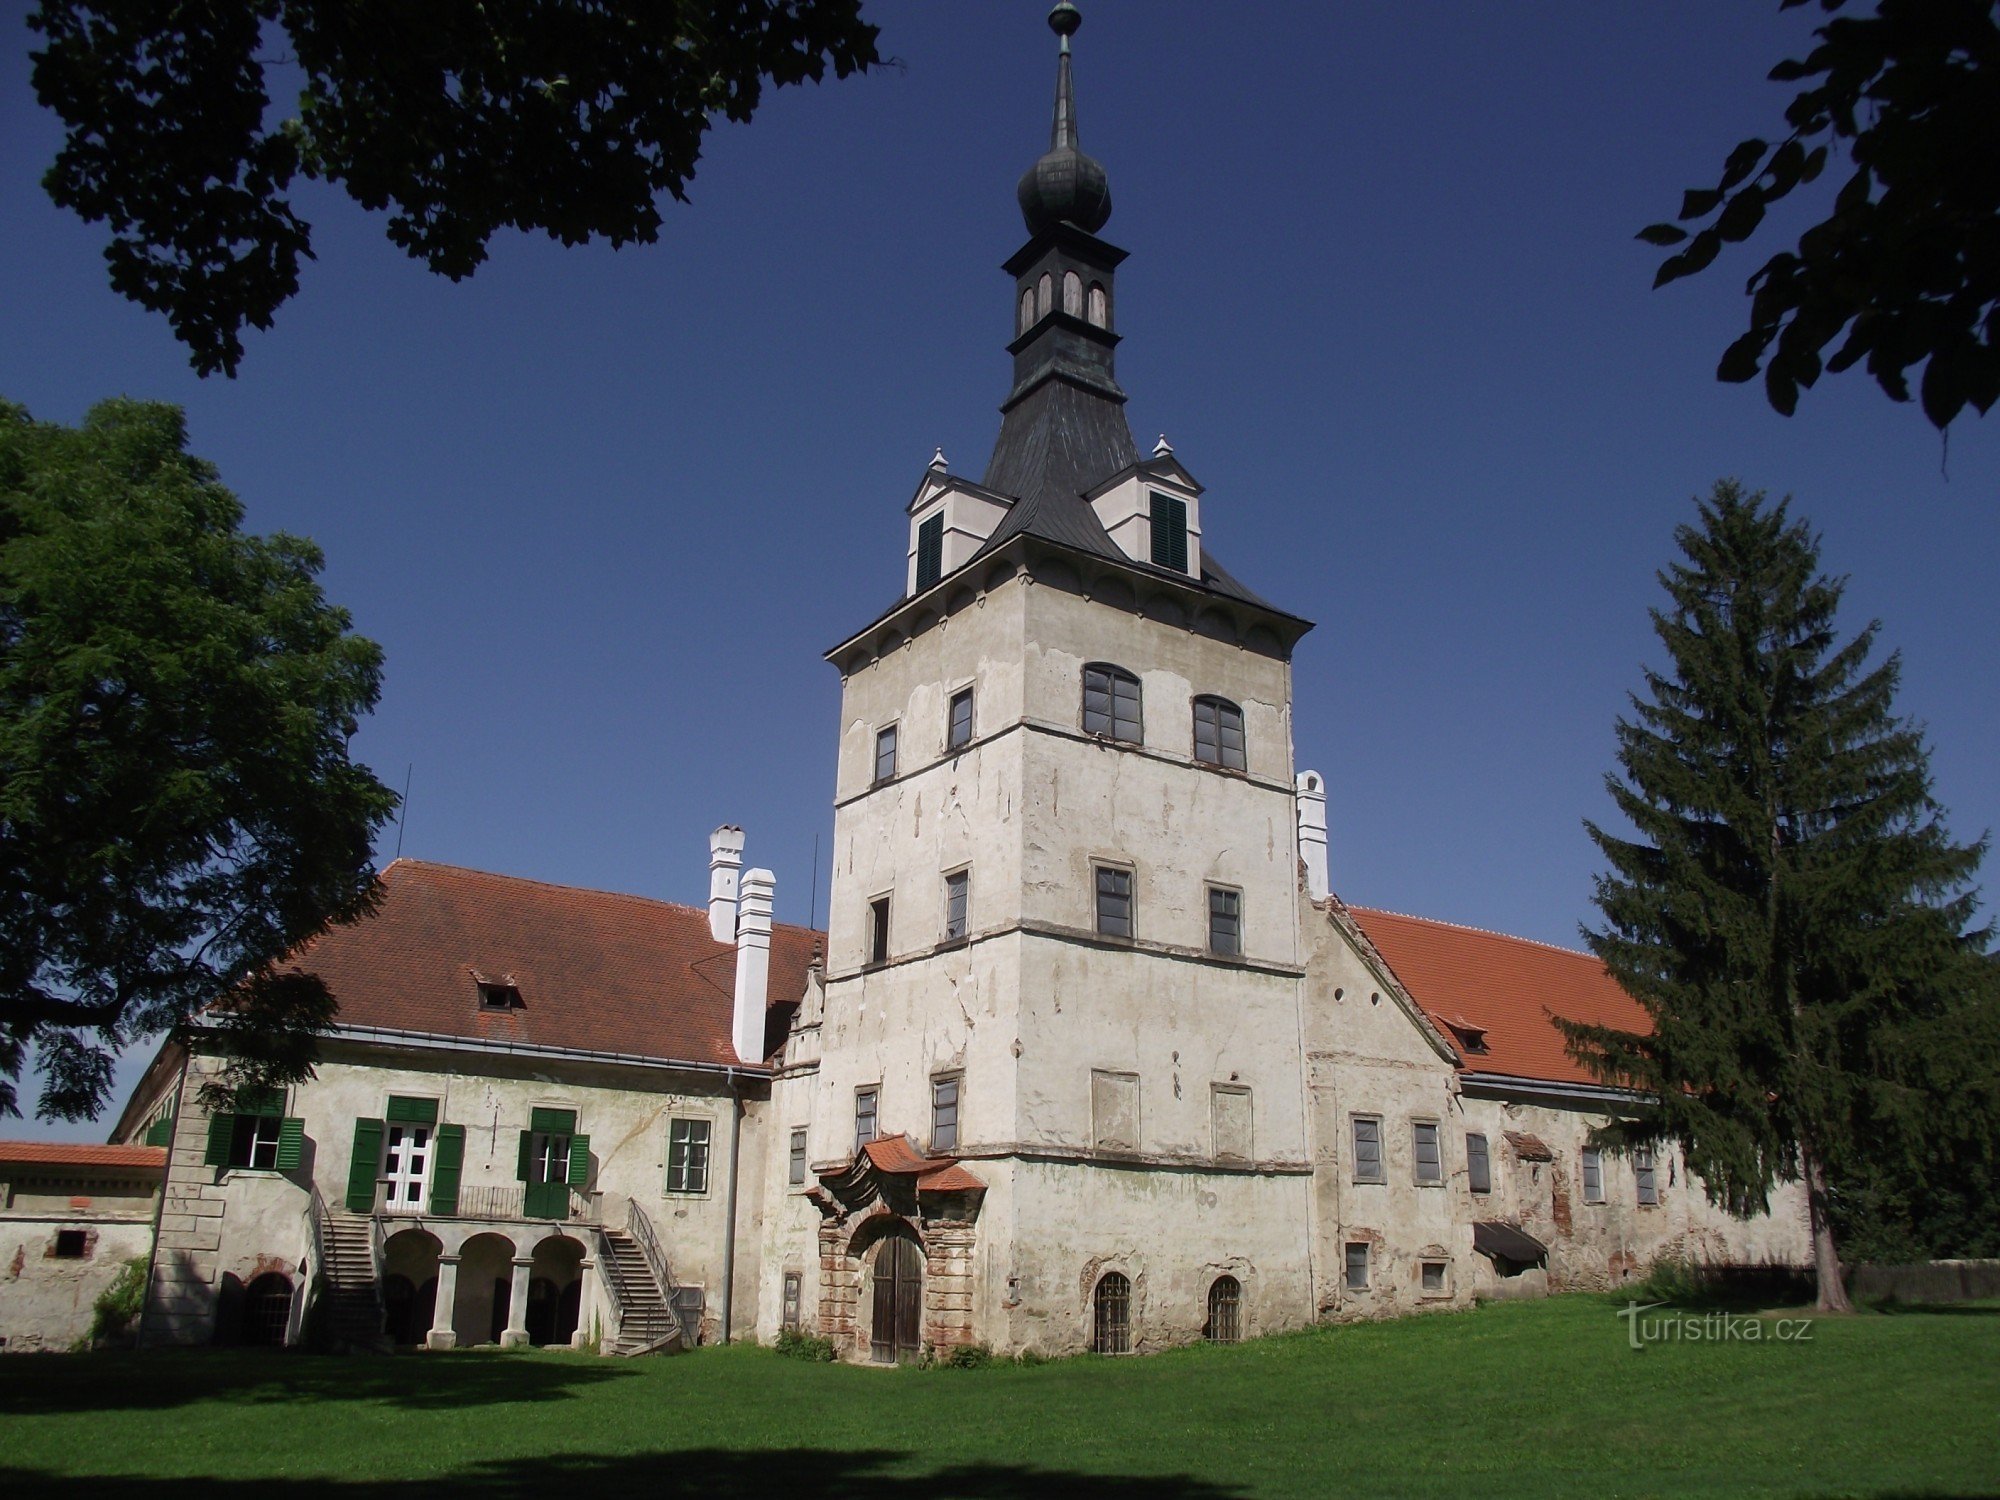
<point>1790,911</point>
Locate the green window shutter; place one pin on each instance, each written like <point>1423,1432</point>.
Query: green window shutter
<point>221,1129</point>
<point>291,1142</point>
<point>161,1131</point>
<point>1170,535</point>
<point>930,551</point>
<point>445,1169</point>
<point>552,1121</point>
<point>363,1166</point>
<point>527,1154</point>
<point>579,1161</point>
<point>403,1111</point>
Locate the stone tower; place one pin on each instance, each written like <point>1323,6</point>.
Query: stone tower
<point>1063,950</point>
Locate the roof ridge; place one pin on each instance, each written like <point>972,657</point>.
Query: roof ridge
<point>583,890</point>
<point>1410,916</point>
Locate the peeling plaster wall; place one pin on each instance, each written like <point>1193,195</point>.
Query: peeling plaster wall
<point>47,1300</point>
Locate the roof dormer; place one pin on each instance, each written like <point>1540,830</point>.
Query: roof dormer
<point>950,520</point>
<point>1153,512</point>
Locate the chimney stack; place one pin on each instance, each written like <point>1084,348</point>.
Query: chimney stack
<point>1312,832</point>
<point>753,963</point>
<point>725,858</point>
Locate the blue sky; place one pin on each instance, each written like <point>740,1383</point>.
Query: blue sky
<point>605,510</point>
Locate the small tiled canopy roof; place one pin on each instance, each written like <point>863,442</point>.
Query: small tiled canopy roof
<point>934,1174</point>
<point>71,1154</point>
<point>1504,1241</point>
<point>594,970</point>
<point>1507,988</point>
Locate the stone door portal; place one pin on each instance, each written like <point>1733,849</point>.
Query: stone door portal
<point>897,1333</point>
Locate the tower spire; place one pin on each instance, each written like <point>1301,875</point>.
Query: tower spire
<point>1065,185</point>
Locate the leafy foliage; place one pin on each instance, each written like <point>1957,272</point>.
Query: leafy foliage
<point>1791,914</point>
<point>460,117</point>
<point>1907,261</point>
<point>177,805</point>
<point>794,1344</point>
<point>115,1313</point>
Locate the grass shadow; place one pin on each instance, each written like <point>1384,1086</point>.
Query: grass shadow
<point>1939,1309</point>
<point>42,1385</point>
<point>710,1473</point>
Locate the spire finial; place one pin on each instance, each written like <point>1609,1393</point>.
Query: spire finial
<point>1065,184</point>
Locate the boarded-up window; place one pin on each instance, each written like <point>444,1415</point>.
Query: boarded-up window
<point>1218,733</point>
<point>1368,1149</point>
<point>1114,1110</point>
<point>1225,921</point>
<point>1170,532</point>
<point>1429,1155</point>
<point>1593,1175</point>
<point>1478,1166</point>
<point>796,1175</point>
<point>1111,702</point>
<point>1357,1265</point>
<point>957,893</point>
<point>930,551</point>
<point>958,730</point>
<point>1114,901</point>
<point>1647,1176</point>
<point>885,752</point>
<point>1230,1115</point>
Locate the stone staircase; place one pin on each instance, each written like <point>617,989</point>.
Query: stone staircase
<point>353,1290</point>
<point>646,1324</point>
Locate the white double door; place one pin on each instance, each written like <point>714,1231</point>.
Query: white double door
<point>406,1168</point>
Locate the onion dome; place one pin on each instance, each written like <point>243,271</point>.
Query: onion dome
<point>1065,185</point>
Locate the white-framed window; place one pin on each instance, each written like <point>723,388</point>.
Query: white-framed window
<point>687,1156</point>
<point>1368,1149</point>
<point>945,1090</point>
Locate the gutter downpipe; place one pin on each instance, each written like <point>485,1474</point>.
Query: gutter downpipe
<point>729,1229</point>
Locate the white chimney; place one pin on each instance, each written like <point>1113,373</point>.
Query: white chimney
<point>725,858</point>
<point>753,964</point>
<point>1312,832</point>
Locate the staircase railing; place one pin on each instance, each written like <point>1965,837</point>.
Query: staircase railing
<point>641,1229</point>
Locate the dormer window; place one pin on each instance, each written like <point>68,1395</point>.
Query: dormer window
<point>1469,1037</point>
<point>930,551</point>
<point>1170,532</point>
<point>499,994</point>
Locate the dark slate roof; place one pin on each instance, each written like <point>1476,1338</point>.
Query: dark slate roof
<point>1058,441</point>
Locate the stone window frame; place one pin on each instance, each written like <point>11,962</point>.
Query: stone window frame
<point>948,937</point>
<point>1419,1124</point>
<point>1216,1091</point>
<point>1646,1177</point>
<point>1211,890</point>
<point>1355,1119</point>
<point>1347,1261</point>
<point>707,1155</point>
<point>1097,1131</point>
<point>798,1166</point>
<point>1443,1291</point>
<point>1099,867</point>
<point>1590,1163</point>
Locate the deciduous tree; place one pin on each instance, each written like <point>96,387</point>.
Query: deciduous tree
<point>177,803</point>
<point>1789,909</point>
<point>459,117</point>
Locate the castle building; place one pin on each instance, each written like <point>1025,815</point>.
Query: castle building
<point>1090,1055</point>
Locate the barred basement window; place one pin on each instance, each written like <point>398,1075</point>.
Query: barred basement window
<point>864,1116</point>
<point>1114,901</point>
<point>1111,1328</point>
<point>1368,1149</point>
<point>797,1174</point>
<point>885,752</point>
<point>1170,532</point>
<point>1478,1166</point>
<point>1225,921</point>
<point>957,893</point>
<point>878,930</point>
<point>1593,1175</point>
<point>792,1289</point>
<point>1429,1153</point>
<point>687,1156</point>
<point>1357,1265</point>
<point>930,551</point>
<point>1225,1311</point>
<point>958,725</point>
<point>1111,702</point>
<point>1218,733</point>
<point>944,1113</point>
<point>1645,1175</point>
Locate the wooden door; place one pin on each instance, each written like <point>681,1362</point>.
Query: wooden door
<point>897,1333</point>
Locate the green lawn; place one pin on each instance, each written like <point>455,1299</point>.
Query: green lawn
<point>1538,1399</point>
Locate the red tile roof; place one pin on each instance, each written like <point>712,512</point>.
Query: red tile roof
<point>1507,987</point>
<point>597,971</point>
<point>72,1154</point>
<point>934,1174</point>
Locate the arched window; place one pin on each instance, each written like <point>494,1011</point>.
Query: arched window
<point>1225,1311</point>
<point>1072,294</point>
<point>267,1310</point>
<point>1111,702</point>
<point>1044,295</point>
<point>1027,309</point>
<point>1218,733</point>
<point>1100,305</point>
<point>1111,1325</point>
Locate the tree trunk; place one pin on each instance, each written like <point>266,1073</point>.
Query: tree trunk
<point>1826,1259</point>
